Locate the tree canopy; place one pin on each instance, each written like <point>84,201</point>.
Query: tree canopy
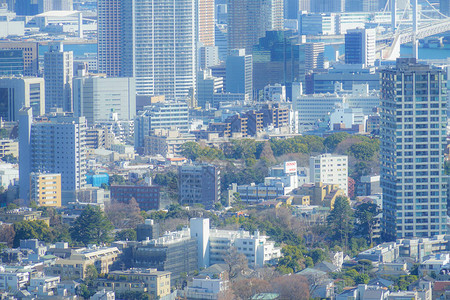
<point>91,227</point>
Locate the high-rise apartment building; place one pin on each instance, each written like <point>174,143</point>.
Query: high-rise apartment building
<point>249,20</point>
<point>25,57</point>
<point>45,189</point>
<point>205,21</point>
<point>95,97</point>
<point>110,31</point>
<point>360,46</point>
<point>413,138</point>
<point>58,73</point>
<point>52,145</point>
<point>330,169</point>
<point>199,184</point>
<point>239,72</point>
<point>16,92</point>
<point>153,41</point>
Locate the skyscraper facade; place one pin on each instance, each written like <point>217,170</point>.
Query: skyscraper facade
<point>95,97</point>
<point>360,46</point>
<point>249,20</point>
<point>27,53</point>
<point>239,72</point>
<point>151,40</point>
<point>413,138</point>
<point>58,74</point>
<point>292,7</point>
<point>16,92</point>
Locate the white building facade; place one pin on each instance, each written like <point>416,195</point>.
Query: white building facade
<point>330,169</point>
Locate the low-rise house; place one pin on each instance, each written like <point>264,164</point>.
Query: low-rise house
<point>43,286</point>
<point>74,267</point>
<point>204,288</point>
<point>404,295</point>
<point>13,278</point>
<point>423,288</point>
<point>104,295</point>
<point>364,291</point>
<point>434,264</point>
<point>394,269</point>
<point>22,214</point>
<point>155,283</point>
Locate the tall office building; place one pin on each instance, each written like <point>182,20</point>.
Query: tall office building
<point>361,5</point>
<point>58,73</point>
<point>199,184</point>
<point>19,58</point>
<point>360,46</point>
<point>16,92</point>
<point>327,6</point>
<point>26,7</point>
<point>314,56</point>
<point>413,138</point>
<point>52,145</point>
<point>292,7</point>
<point>207,86</point>
<point>239,72</point>
<point>48,5</point>
<point>95,97</point>
<point>160,54</point>
<point>249,20</point>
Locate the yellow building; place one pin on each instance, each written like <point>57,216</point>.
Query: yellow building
<point>22,214</point>
<point>155,283</point>
<point>45,189</point>
<point>75,266</point>
<point>9,147</point>
<point>319,194</point>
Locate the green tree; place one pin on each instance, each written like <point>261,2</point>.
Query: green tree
<point>126,234</point>
<point>191,150</point>
<point>318,255</point>
<point>32,230</point>
<point>91,227</point>
<point>362,151</point>
<point>340,221</point>
<point>332,141</point>
<point>365,221</point>
<point>362,279</point>
<point>292,260</point>
<point>91,275</point>
<point>116,179</point>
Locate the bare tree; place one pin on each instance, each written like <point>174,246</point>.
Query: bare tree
<point>237,263</point>
<point>247,288</point>
<point>7,234</point>
<point>291,287</point>
<point>124,215</point>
